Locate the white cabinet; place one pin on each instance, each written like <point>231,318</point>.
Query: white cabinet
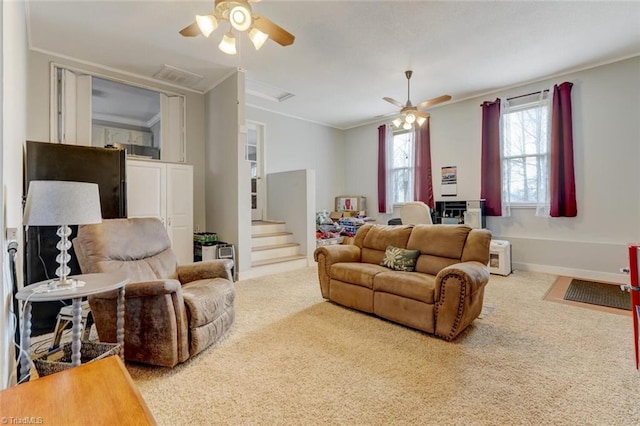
<point>165,191</point>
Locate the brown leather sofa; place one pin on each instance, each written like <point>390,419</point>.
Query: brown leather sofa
<point>442,296</point>
<point>172,312</point>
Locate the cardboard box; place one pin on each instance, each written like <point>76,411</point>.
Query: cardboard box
<point>335,216</point>
<point>350,203</point>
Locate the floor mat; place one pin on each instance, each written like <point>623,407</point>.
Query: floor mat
<point>596,293</point>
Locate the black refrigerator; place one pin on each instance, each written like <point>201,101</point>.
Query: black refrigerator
<point>53,161</point>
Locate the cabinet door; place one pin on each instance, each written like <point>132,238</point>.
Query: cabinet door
<point>146,189</point>
<point>180,210</point>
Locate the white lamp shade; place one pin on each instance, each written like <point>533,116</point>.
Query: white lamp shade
<point>228,44</point>
<point>257,37</point>
<point>207,24</point>
<point>56,203</point>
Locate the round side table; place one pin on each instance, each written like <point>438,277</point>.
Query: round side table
<point>94,284</point>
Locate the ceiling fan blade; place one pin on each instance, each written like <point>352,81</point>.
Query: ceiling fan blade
<point>387,115</point>
<point>275,32</point>
<point>423,114</point>
<point>434,101</point>
<point>394,102</point>
<point>190,30</point>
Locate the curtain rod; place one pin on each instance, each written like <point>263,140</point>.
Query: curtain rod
<point>528,94</point>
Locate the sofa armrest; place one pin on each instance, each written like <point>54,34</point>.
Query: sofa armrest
<point>327,256</point>
<point>218,268</point>
<point>459,292</point>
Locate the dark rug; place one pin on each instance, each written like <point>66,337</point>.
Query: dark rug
<point>596,293</point>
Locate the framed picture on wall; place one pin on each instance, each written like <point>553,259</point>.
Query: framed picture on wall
<point>449,182</point>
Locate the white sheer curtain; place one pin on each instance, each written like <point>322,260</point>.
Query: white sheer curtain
<point>388,145</point>
<point>506,165</point>
<point>543,205</point>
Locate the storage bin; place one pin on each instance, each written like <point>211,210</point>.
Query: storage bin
<point>60,360</point>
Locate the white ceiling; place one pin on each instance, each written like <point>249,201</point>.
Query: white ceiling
<point>349,54</point>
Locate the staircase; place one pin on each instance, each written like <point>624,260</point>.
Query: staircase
<point>273,249</point>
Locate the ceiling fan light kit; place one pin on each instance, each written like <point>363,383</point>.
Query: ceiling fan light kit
<point>240,17</point>
<point>228,44</point>
<point>410,114</point>
<point>257,37</point>
<point>207,24</point>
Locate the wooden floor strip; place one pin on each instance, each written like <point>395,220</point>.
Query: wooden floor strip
<point>559,288</point>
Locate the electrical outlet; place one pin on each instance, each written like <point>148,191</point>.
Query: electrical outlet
<point>12,234</point>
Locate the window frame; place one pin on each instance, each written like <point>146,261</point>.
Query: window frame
<point>526,104</point>
<point>391,183</point>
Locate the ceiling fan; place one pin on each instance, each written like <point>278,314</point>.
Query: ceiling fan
<point>239,15</point>
<point>411,113</point>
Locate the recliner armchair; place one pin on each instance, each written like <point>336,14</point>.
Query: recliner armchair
<point>415,213</point>
<point>172,312</point>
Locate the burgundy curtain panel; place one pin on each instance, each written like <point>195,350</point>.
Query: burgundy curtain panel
<point>490,179</point>
<point>382,169</point>
<point>423,188</point>
<point>562,182</point>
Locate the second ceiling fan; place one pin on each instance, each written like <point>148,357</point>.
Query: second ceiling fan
<point>239,15</point>
<point>412,113</point>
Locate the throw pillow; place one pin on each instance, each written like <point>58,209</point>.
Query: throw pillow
<point>400,259</point>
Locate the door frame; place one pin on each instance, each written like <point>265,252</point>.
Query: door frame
<point>261,190</point>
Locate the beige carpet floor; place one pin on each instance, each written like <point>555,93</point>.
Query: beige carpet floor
<point>293,358</point>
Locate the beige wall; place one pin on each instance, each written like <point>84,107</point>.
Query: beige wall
<point>38,93</point>
<point>13,129</point>
<point>228,174</point>
<point>606,112</point>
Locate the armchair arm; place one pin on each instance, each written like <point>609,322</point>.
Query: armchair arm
<point>143,289</point>
<point>218,268</point>
<point>459,293</point>
<point>327,256</point>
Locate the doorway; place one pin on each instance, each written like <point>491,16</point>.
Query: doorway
<point>254,153</point>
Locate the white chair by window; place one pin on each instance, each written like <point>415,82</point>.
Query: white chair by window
<point>415,213</point>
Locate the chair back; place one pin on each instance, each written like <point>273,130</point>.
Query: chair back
<point>140,247</point>
<point>415,213</point>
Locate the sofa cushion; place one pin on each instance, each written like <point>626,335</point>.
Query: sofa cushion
<point>443,241</point>
<point>356,273</point>
<point>440,245</point>
<point>400,259</point>
<point>413,285</point>
<point>381,236</point>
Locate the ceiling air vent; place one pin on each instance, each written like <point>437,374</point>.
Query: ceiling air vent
<point>266,91</point>
<point>177,76</point>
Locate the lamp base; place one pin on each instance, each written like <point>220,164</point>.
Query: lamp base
<point>65,284</point>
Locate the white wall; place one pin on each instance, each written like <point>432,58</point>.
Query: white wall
<point>292,198</point>
<point>606,122</point>
<point>14,88</point>
<point>38,93</point>
<point>228,204</point>
<point>293,144</point>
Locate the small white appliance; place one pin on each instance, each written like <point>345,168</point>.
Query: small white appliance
<point>209,252</point>
<point>500,257</point>
<point>473,218</point>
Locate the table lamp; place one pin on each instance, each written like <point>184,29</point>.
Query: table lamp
<point>61,203</point>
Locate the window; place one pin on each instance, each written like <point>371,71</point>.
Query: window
<point>525,153</point>
<point>400,167</point>
<point>88,109</point>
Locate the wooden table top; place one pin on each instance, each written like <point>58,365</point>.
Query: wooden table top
<point>99,392</point>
